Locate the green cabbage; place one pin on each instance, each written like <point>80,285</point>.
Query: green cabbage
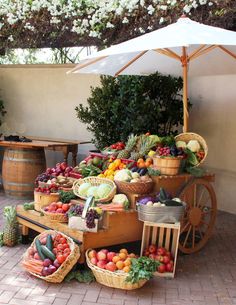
<point>83,189</point>
<point>103,190</point>
<point>92,191</point>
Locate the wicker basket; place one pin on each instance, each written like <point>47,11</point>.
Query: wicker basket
<point>167,165</point>
<point>134,187</point>
<point>57,217</point>
<point>95,181</point>
<point>112,279</point>
<point>64,269</point>
<point>187,136</point>
<point>41,199</point>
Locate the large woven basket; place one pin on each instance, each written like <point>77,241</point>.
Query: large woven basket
<point>167,165</point>
<point>57,217</point>
<point>95,181</point>
<point>187,136</point>
<point>112,279</point>
<point>64,269</point>
<point>134,187</point>
<point>41,199</point>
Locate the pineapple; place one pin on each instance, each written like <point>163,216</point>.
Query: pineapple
<point>146,143</point>
<point>10,230</point>
<point>130,144</point>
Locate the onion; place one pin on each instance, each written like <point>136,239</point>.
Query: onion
<point>144,200</point>
<point>47,262</point>
<point>51,269</point>
<point>56,263</point>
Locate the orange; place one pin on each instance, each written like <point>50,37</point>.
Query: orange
<point>140,160</point>
<point>141,164</point>
<point>122,255</point>
<point>124,251</point>
<point>127,262</point>
<point>117,162</point>
<point>116,259</point>
<point>126,269</point>
<point>132,255</point>
<point>120,265</point>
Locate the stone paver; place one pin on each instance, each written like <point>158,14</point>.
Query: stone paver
<point>204,278</point>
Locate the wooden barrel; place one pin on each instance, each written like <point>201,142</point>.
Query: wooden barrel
<point>19,170</point>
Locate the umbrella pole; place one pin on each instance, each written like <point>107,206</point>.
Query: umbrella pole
<point>184,60</point>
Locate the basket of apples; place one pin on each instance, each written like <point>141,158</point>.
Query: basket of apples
<point>51,256</point>
<point>56,211</point>
<point>120,270</point>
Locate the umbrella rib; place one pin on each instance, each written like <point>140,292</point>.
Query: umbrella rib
<point>168,52</point>
<point>196,51</point>
<point>227,51</point>
<point>204,51</point>
<point>88,63</point>
<point>130,62</point>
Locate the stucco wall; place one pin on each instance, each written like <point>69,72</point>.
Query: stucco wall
<point>40,101</point>
<point>214,116</point>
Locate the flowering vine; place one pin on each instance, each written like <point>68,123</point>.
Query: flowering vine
<point>57,23</point>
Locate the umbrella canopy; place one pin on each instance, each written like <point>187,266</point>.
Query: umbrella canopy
<point>176,49</point>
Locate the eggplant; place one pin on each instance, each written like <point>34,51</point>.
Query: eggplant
<point>172,203</point>
<point>134,169</point>
<point>142,171</point>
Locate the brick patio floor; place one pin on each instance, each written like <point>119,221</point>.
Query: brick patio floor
<point>204,278</point>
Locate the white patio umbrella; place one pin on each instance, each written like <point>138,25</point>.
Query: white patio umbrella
<point>176,49</point>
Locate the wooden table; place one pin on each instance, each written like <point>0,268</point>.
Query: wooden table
<point>119,227</point>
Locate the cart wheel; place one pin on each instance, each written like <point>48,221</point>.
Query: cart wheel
<point>200,214</point>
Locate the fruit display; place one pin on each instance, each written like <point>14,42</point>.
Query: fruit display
<point>114,166</point>
<point>162,256</point>
<point>133,175</point>
<point>111,261</point>
<point>47,255</point>
<point>57,207</point>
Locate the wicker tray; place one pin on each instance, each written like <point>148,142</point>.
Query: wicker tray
<point>57,217</point>
<point>187,136</point>
<point>134,187</point>
<point>112,279</point>
<point>95,181</point>
<point>64,269</point>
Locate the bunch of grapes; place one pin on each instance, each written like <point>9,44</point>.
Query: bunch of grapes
<point>90,218</point>
<point>163,151</point>
<point>75,210</point>
<point>44,177</point>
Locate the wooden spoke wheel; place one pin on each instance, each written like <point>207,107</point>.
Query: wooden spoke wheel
<point>200,214</point>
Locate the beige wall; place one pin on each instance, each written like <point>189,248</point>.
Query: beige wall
<point>40,101</point>
<point>214,116</point>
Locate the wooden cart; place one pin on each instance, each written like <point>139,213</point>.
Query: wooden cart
<point>200,215</point>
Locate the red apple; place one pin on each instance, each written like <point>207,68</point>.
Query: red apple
<point>63,166</point>
<point>169,254</point>
<point>159,258</point>
<point>169,267</point>
<point>110,256</point>
<point>111,266</point>
<point>166,259</point>
<point>146,252</point>
<point>94,260</point>
<point>101,256</point>
<point>161,251</point>
<point>92,253</point>
<point>105,251</point>
<point>152,256</point>
<point>152,248</point>
<point>161,268</point>
<point>101,264</point>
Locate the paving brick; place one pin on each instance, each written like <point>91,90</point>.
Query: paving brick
<point>6,296</point>
<point>91,296</point>
<point>75,300</point>
<point>59,301</point>
<point>110,301</point>
<point>22,302</point>
<point>23,293</point>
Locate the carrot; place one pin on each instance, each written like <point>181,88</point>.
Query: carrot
<point>32,268</point>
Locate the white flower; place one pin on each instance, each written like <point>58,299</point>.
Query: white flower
<point>109,25</point>
<point>210,3</point>
<point>187,8</point>
<point>163,7</point>
<point>202,2</point>
<point>10,38</point>
<point>125,20</point>
<point>161,20</point>
<point>150,27</point>
<point>141,30</point>
<point>150,9</point>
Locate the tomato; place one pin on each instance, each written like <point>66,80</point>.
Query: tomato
<point>60,247</point>
<point>65,207</point>
<point>66,255</point>
<point>54,250</point>
<point>61,258</point>
<point>58,236</point>
<point>63,240</point>
<point>67,250</point>
<point>59,204</point>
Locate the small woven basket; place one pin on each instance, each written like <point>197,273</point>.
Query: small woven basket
<point>115,279</point>
<point>64,269</point>
<point>41,199</point>
<point>134,187</point>
<point>57,217</point>
<point>95,181</point>
<point>167,165</point>
<point>187,136</point>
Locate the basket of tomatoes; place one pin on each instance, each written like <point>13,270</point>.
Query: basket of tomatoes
<point>56,211</point>
<point>51,256</point>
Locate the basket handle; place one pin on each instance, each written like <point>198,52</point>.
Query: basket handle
<point>88,203</point>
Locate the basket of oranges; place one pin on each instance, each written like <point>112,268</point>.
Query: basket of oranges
<point>111,269</point>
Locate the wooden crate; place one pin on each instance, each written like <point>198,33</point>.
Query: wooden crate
<point>162,235</point>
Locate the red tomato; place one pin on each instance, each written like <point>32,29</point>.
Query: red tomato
<point>54,251</point>
<point>60,247</point>
<point>67,250</point>
<point>63,240</point>
<point>58,236</point>
<point>61,258</point>
<point>65,255</point>
<point>64,246</point>
<point>59,204</point>
<point>65,207</point>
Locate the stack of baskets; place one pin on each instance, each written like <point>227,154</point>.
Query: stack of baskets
<point>66,266</point>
